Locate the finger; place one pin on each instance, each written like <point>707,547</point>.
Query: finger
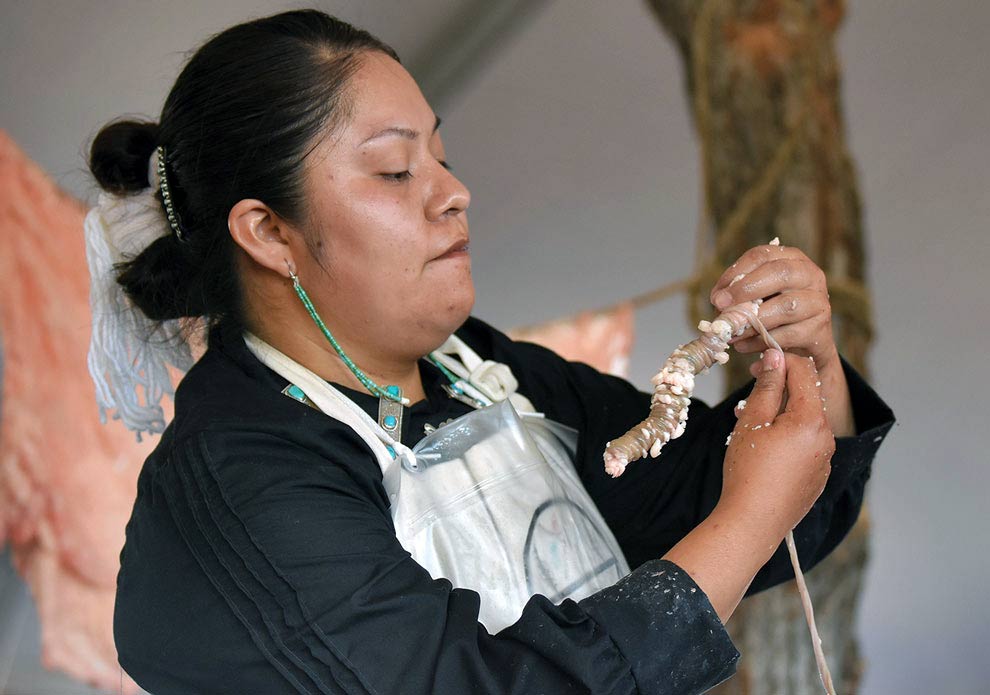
<point>752,259</point>
<point>739,407</point>
<point>803,387</point>
<point>803,336</point>
<point>787,308</point>
<point>756,368</point>
<point>764,401</point>
<point>770,278</point>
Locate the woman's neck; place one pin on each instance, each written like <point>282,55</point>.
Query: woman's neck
<point>311,349</point>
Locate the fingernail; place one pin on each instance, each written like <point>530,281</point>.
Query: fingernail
<point>722,299</point>
<point>771,360</point>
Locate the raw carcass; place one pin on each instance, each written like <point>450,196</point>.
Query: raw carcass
<point>67,483</point>
<point>602,339</point>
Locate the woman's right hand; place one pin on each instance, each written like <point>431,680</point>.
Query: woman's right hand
<point>778,458</point>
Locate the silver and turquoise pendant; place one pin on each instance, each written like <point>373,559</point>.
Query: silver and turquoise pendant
<point>390,412</point>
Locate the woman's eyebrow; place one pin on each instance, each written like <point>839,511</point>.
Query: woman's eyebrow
<point>407,133</point>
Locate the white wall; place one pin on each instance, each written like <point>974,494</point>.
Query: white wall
<point>918,105</point>
<point>580,157</point>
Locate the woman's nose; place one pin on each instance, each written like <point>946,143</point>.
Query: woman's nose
<point>449,196</point>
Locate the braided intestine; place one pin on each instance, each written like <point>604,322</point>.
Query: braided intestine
<point>674,384</point>
<point>672,389</point>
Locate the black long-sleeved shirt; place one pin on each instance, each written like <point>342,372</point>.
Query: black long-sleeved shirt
<point>260,556</point>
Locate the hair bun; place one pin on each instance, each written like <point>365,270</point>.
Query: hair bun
<point>119,155</point>
<point>154,281</point>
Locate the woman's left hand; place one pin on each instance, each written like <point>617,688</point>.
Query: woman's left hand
<point>797,313</point>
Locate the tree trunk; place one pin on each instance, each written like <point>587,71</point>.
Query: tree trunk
<point>763,80</point>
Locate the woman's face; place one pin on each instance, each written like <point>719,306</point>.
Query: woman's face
<point>388,220</point>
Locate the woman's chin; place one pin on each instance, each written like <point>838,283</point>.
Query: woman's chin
<point>460,306</point>
<point>455,310</point>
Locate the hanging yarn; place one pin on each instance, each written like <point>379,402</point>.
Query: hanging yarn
<point>129,354</point>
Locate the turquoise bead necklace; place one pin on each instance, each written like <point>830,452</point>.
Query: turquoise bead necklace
<point>391,393</point>
<point>454,388</point>
<point>451,377</point>
<point>390,399</point>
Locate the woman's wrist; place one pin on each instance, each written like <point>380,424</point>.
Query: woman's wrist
<point>838,406</point>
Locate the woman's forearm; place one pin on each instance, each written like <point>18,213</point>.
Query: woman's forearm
<point>723,554</point>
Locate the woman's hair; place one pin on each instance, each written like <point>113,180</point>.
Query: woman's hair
<point>243,114</point>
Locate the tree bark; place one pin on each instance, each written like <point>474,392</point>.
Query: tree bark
<point>763,81</point>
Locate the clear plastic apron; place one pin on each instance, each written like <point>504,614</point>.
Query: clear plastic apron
<point>494,505</point>
<point>490,501</point>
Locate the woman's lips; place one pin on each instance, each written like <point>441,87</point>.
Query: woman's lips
<point>459,251</point>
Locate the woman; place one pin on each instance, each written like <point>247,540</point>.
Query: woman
<point>312,218</point>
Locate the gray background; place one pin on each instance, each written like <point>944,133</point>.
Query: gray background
<point>575,141</point>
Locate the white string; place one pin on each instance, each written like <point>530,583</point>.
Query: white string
<point>809,610</point>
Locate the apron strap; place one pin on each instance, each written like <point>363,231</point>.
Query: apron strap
<point>494,379</point>
<point>338,406</point>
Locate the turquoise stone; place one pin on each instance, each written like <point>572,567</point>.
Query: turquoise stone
<point>393,390</point>
<point>390,450</point>
<point>296,392</point>
<point>390,422</point>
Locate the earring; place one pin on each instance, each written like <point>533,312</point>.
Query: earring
<point>361,376</point>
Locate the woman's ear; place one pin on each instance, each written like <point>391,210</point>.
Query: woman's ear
<point>262,234</point>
